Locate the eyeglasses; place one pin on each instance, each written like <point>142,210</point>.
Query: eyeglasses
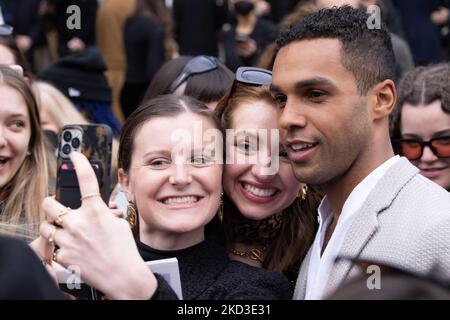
<point>196,65</point>
<point>6,30</point>
<point>413,149</point>
<point>251,75</point>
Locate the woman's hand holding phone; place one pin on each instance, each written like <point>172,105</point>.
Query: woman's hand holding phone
<point>99,244</point>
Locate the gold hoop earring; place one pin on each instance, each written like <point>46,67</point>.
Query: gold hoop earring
<point>303,192</point>
<point>132,214</point>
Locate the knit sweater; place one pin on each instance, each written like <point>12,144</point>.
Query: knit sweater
<point>207,273</point>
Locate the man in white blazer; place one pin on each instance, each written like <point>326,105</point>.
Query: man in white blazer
<point>332,83</point>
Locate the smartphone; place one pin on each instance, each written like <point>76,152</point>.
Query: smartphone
<point>95,142</point>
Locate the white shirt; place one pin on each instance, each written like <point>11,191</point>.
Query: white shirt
<point>320,266</point>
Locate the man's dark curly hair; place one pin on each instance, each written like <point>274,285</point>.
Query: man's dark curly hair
<point>366,52</point>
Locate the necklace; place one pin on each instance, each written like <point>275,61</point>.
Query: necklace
<point>253,253</point>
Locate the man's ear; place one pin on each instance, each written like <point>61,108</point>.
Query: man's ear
<point>382,98</point>
<point>125,184</point>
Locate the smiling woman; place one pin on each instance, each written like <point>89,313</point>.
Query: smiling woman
<point>173,188</point>
<point>268,215</point>
<point>23,161</point>
<point>421,121</point>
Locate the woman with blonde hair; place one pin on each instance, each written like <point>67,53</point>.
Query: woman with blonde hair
<point>23,158</point>
<point>55,109</point>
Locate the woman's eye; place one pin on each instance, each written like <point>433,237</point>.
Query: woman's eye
<point>17,124</point>
<point>159,163</point>
<point>200,159</point>
<point>245,146</point>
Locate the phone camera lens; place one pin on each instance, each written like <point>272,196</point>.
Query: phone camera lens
<point>67,136</point>
<point>75,143</point>
<point>66,149</point>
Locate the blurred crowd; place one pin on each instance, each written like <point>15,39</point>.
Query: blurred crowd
<point>148,67</point>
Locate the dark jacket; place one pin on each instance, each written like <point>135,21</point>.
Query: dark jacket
<point>22,274</point>
<point>207,273</point>
<point>263,34</point>
<point>198,17</point>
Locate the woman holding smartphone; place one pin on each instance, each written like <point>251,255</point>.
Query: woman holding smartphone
<point>174,189</point>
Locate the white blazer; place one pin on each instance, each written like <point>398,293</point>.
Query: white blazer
<point>405,222</point>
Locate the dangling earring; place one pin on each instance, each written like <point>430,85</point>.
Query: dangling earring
<point>28,153</point>
<point>132,214</point>
<point>303,192</point>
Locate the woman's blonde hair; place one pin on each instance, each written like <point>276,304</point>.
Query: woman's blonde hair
<point>57,104</point>
<point>64,112</point>
<point>22,196</point>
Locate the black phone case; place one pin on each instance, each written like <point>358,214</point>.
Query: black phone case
<point>96,145</point>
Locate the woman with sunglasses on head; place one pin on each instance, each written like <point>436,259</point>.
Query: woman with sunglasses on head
<point>148,43</point>
<point>173,183</point>
<point>204,78</point>
<point>421,121</point>
<point>268,216</point>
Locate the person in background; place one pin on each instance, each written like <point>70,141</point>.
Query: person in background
<point>204,78</point>
<point>22,275</point>
<point>24,160</point>
<point>74,39</point>
<point>148,39</point>
<point>198,17</point>
<point>81,78</point>
<point>10,53</point>
<point>420,126</point>
<point>245,41</point>
<point>110,22</point>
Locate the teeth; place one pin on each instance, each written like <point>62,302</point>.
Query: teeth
<point>180,200</point>
<point>259,192</point>
<point>300,146</point>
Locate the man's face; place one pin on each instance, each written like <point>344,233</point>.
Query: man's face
<point>324,122</point>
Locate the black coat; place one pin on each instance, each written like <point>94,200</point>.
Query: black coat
<point>263,34</point>
<point>22,274</point>
<point>207,273</point>
<point>197,24</point>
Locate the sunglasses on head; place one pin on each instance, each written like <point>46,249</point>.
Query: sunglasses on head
<point>413,149</point>
<point>196,65</point>
<point>251,75</point>
<point>6,30</point>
